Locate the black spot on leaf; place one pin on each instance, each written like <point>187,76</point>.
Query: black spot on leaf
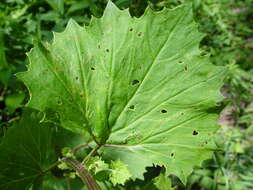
<point>77,78</point>
<point>92,68</point>
<point>131,29</point>
<point>139,34</point>
<point>134,82</point>
<point>107,50</point>
<point>186,68</point>
<point>131,107</point>
<point>195,132</point>
<point>163,111</point>
<point>59,102</point>
<point>172,154</point>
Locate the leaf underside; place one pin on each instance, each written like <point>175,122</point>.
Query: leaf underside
<point>137,85</point>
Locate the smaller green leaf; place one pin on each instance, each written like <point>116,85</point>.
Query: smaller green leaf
<point>120,173</point>
<point>14,101</point>
<point>96,164</point>
<point>26,153</point>
<point>163,182</point>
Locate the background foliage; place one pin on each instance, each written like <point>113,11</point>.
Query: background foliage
<point>228,25</point>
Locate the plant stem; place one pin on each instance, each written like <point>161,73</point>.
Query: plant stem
<point>92,153</point>
<point>83,173</point>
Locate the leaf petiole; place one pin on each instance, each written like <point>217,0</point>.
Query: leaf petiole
<point>83,173</point>
<point>92,153</point>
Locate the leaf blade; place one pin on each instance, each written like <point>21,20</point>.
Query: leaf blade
<point>25,153</point>
<point>137,85</point>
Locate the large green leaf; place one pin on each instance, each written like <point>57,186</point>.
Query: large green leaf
<point>25,153</point>
<point>138,86</point>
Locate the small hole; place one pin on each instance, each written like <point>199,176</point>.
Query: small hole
<point>77,78</point>
<point>163,111</point>
<point>195,132</point>
<point>172,154</point>
<point>107,50</point>
<point>92,68</point>
<point>139,34</point>
<point>131,29</point>
<point>186,68</point>
<point>180,62</point>
<point>131,107</point>
<point>134,82</point>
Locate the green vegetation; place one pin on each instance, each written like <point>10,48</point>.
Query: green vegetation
<point>126,101</point>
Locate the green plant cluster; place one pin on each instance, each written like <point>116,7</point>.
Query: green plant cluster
<point>232,170</point>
